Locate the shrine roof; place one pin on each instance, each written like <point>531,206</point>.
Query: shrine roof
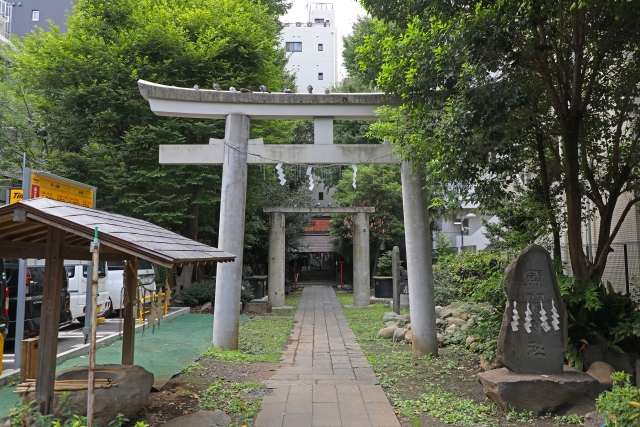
<point>24,226</point>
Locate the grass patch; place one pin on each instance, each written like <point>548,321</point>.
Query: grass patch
<point>232,398</point>
<point>428,390</point>
<point>262,338</point>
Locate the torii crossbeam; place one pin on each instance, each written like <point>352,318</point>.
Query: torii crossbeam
<point>236,151</point>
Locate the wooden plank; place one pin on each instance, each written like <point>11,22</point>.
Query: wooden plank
<point>50,319</point>
<point>29,359</point>
<point>129,327</point>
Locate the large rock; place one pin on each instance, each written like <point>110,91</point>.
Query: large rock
<point>444,313</point>
<point>456,321</point>
<point>408,336</point>
<point>602,372</point>
<point>389,315</point>
<point>572,392</point>
<point>487,365</point>
<point>533,334</point>
<point>389,324</point>
<point>133,386</point>
<point>623,362</point>
<point>215,418</point>
<point>399,334</point>
<point>387,332</point>
<point>593,419</point>
<point>595,351</point>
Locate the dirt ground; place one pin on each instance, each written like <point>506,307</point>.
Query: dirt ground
<point>180,395</point>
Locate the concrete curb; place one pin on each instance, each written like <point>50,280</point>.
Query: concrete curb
<point>13,375</point>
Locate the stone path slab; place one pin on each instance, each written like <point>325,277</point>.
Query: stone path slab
<point>325,379</point>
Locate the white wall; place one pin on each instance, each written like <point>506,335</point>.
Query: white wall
<point>307,64</point>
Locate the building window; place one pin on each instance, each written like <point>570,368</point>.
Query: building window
<point>320,76</point>
<point>294,46</point>
<point>320,195</point>
<point>35,15</point>
<point>319,20</point>
<point>320,47</point>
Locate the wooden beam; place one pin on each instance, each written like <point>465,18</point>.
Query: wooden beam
<point>25,250</point>
<point>50,319</point>
<point>130,295</point>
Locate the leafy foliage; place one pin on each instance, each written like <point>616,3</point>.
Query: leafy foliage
<point>385,264</point>
<point>621,403</point>
<point>100,130</point>
<point>493,93</point>
<point>199,293</point>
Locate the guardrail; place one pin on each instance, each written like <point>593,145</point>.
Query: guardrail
<point>142,311</point>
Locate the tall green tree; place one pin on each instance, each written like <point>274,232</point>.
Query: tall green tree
<point>487,83</point>
<point>99,128</point>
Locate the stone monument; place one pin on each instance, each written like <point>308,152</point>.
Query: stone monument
<point>532,343</point>
<point>533,336</point>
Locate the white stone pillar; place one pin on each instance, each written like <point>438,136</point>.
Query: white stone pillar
<point>361,274</point>
<point>231,236</point>
<point>419,268</point>
<point>276,259</point>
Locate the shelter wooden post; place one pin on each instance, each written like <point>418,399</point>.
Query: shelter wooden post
<point>130,295</point>
<point>48,347</point>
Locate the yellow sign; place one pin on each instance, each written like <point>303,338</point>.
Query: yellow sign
<point>52,188</point>
<point>15,196</point>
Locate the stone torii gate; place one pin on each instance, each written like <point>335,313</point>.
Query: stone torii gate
<point>361,274</point>
<point>236,151</point>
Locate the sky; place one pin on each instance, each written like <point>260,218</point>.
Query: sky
<point>346,12</point>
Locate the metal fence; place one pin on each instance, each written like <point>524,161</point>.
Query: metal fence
<point>623,265</point>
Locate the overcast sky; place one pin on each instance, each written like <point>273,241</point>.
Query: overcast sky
<point>346,12</point>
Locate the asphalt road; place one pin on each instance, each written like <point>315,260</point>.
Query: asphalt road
<point>69,338</point>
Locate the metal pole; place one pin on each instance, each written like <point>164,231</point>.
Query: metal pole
<point>395,262</point>
<point>461,234</point>
<point>626,267</point>
<point>87,304</point>
<point>7,197</point>
<point>22,276</point>
<point>95,258</point>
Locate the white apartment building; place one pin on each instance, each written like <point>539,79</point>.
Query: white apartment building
<point>312,48</point>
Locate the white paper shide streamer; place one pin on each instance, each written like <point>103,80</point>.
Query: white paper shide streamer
<point>311,184</point>
<point>355,173</point>
<point>283,180</point>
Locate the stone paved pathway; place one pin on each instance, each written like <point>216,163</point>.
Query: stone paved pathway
<point>325,379</point>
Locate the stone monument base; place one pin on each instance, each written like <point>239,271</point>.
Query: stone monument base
<point>572,392</point>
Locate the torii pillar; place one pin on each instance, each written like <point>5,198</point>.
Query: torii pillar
<point>236,151</point>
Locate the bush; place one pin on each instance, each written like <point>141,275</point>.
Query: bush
<point>246,296</point>
<point>621,404</point>
<point>385,264</point>
<point>199,293</point>
<point>445,287</point>
<point>593,309</point>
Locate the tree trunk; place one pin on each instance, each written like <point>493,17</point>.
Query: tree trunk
<point>546,194</point>
<point>573,194</point>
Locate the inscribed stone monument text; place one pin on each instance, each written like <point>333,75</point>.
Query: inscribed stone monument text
<point>533,335</point>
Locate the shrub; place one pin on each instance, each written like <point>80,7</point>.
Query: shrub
<point>199,293</point>
<point>246,296</point>
<point>621,404</point>
<point>385,264</point>
<point>445,287</point>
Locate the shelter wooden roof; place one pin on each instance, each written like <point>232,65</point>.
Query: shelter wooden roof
<point>23,234</point>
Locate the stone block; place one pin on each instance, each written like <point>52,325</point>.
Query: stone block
<point>595,351</point>
<point>389,324</point>
<point>408,336</point>
<point>399,334</point>
<point>456,321</point>
<point>134,384</point>
<point>572,392</point>
<point>215,418</point>
<point>593,419</point>
<point>389,315</point>
<point>261,307</point>
<point>602,372</point>
<point>387,332</point>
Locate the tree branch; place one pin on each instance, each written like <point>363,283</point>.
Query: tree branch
<point>605,249</point>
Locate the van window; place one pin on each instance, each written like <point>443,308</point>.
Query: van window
<point>102,270</point>
<point>71,272</point>
<point>143,264</point>
<point>116,265</point>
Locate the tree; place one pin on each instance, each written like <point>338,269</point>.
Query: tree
<point>99,128</point>
<point>377,186</point>
<point>564,73</point>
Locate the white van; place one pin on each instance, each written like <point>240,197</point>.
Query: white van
<point>77,273</point>
<point>146,276</point>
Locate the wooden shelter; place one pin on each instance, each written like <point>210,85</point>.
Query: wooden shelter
<point>52,230</point>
